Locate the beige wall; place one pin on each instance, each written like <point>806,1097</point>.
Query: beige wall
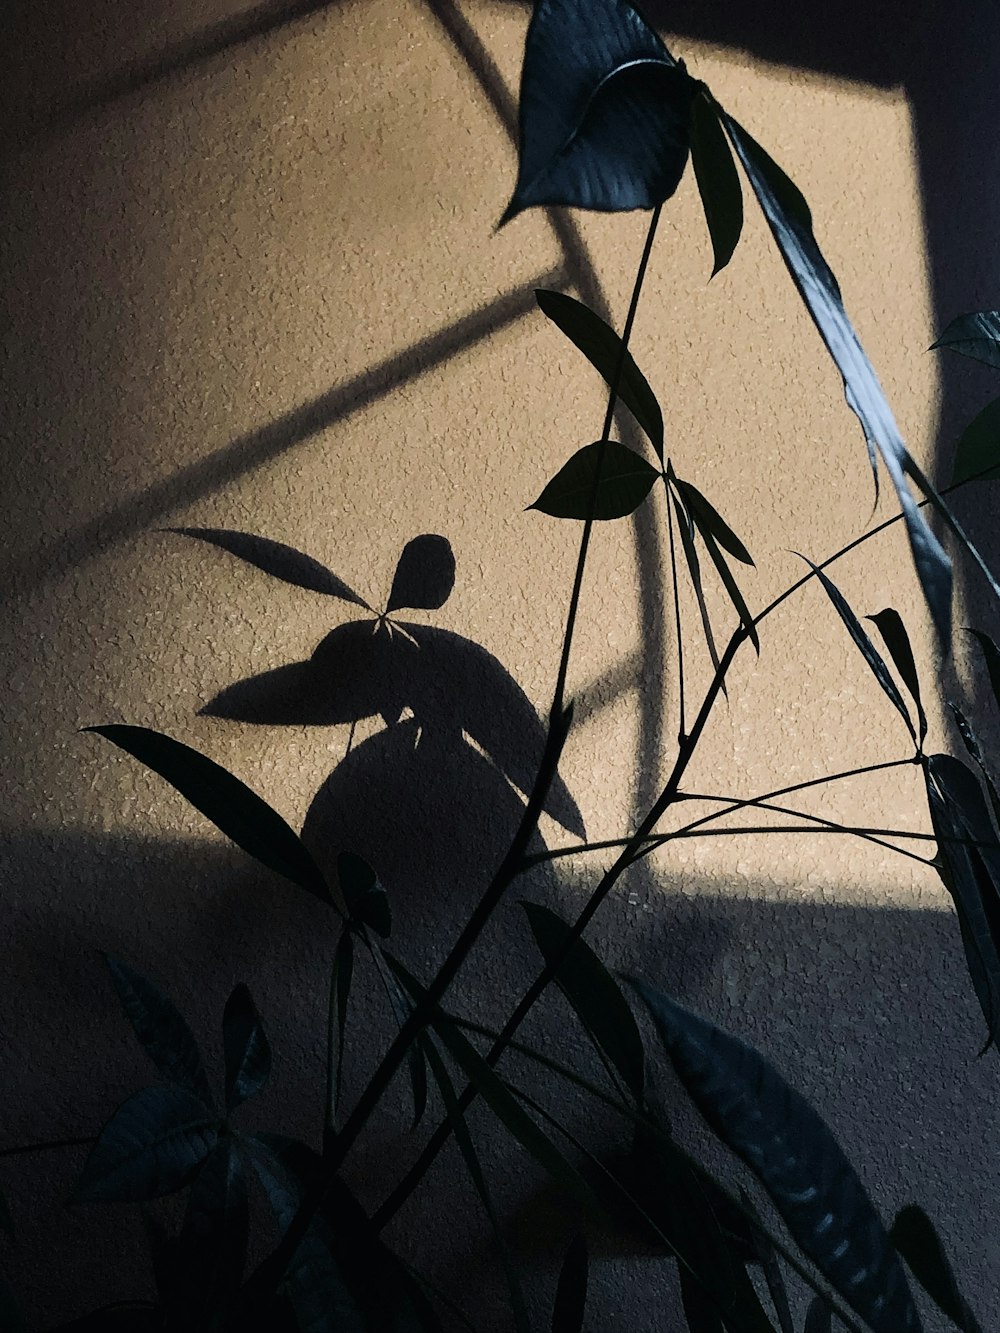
<point>261,289</point>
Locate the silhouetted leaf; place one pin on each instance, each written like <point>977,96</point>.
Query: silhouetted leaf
<point>976,335</point>
<point>770,1266</point>
<point>792,1152</point>
<point>603,349</point>
<point>718,179</point>
<point>970,874</point>
<point>978,451</point>
<point>971,743</point>
<point>708,520</point>
<point>863,643</point>
<point>366,899</point>
<point>686,528</point>
<point>701,1313</point>
<point>248,1053</point>
<point>788,218</point>
<point>604,110</point>
<point>152,1145</point>
<point>212,1247</point>
<point>916,1240</point>
<point>402,1006</point>
<point>162,1031</point>
<point>731,587</point>
<point>571,1292</point>
<point>991,655</point>
<point>280,561</point>
<point>819,1316</point>
<point>232,807</point>
<point>341,976</point>
<point>575,491</point>
<point>425,575</point>
<point>594,995</point>
<point>897,642</point>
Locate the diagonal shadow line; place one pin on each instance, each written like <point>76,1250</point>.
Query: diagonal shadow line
<point>48,559</point>
<point>238,30</point>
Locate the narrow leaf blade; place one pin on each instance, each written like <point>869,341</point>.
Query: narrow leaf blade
<point>575,491</point>
<point>280,561</point>
<point>916,1240</point>
<point>708,519</point>
<point>247,1050</point>
<point>890,625</point>
<point>571,1292</point>
<point>718,179</point>
<point>366,899</point>
<point>162,1031</point>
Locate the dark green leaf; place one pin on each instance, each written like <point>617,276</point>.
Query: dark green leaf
<point>248,1053</point>
<point>731,587</point>
<point>280,561</point>
<point>890,625</point>
<point>978,451</point>
<point>341,976</point>
<point>212,1248</point>
<point>574,492</point>
<point>971,743</point>
<point>232,807</point>
<point>519,1310</point>
<point>571,1292</point>
<point>686,527</point>
<point>792,1152</point>
<point>970,874</point>
<point>708,519</point>
<point>791,228</point>
<point>991,655</point>
<point>718,179</point>
<point>819,1316</point>
<point>594,995</point>
<point>425,574</point>
<point>366,899</point>
<point>162,1032</point>
<point>603,349</point>
<point>975,335</point>
<point>916,1240</point>
<point>152,1145</point>
<point>863,644</point>
<point>604,110</point>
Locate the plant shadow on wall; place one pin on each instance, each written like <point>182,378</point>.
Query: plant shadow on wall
<point>608,121</point>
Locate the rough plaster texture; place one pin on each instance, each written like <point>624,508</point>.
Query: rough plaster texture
<point>252,281</point>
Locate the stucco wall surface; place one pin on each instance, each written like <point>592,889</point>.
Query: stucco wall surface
<point>252,281</point>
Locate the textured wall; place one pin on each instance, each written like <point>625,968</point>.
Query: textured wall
<point>252,281</point>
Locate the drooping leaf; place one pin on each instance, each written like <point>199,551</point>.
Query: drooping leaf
<point>401,1003</point>
<point>162,1031</point>
<point>686,528</point>
<point>916,1240</point>
<point>231,806</point>
<point>594,994</point>
<point>790,224</point>
<point>519,1309</point>
<point>571,1291</point>
<point>152,1145</point>
<point>212,1246</point>
<point>575,491</point>
<point>603,349</point>
<point>975,335</point>
<point>731,587</point>
<point>708,519</point>
<point>247,1050</point>
<point>890,625</point>
<point>795,1157</point>
<point>425,574</point>
<point>971,742</point>
<point>341,976</point>
<point>280,561</point>
<point>366,899</point>
<point>604,110</point>
<point>978,451</point>
<point>771,1268</point>
<point>863,643</point>
<point>717,177</point>
<point>971,875</point>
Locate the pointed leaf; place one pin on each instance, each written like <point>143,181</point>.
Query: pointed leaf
<point>971,743</point>
<point>248,1053</point>
<point>708,519</point>
<point>366,899</point>
<point>574,492</point>
<point>788,219</point>
<point>603,349</point>
<point>162,1031</point>
<point>771,1268</point>
<point>731,587</point>
<point>717,177</point>
<point>231,806</point>
<point>571,1292</point>
<point>686,528</point>
<point>978,451</point>
<point>152,1145</point>
<point>594,995</point>
<point>425,574</point>
<point>976,335</point>
<point>604,110</point>
<point>916,1240</point>
<point>890,625</point>
<point>212,1247</point>
<point>795,1157</point>
<point>280,561</point>
<point>863,643</point>
<point>402,1006</point>
<point>341,976</point>
<point>991,655</point>
<point>701,1314</point>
